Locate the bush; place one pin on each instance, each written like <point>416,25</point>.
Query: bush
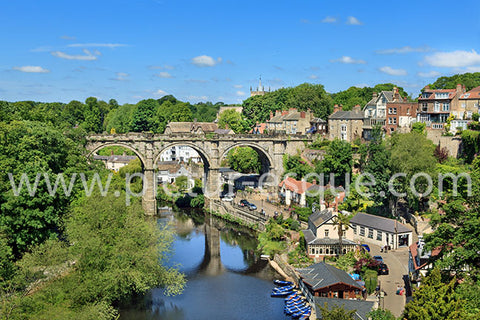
<point>371,280</point>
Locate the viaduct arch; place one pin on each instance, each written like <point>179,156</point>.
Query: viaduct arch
<point>149,146</point>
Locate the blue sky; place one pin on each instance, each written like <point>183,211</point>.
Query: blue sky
<point>215,50</point>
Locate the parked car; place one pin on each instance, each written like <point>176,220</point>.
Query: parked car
<point>366,247</point>
<point>378,258</point>
<point>382,268</point>
<point>244,203</point>
<point>227,199</point>
<point>251,206</point>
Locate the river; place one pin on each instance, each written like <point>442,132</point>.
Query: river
<point>230,284</point>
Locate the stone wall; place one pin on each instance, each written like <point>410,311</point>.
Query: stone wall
<point>453,144</point>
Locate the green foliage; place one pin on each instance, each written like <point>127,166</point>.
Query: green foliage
<point>380,314</point>
<point>244,159</point>
<point>361,96</point>
<point>295,164</point>
<point>182,183</point>
<point>469,292</point>
<point>303,213</point>
<point>346,261</point>
<point>143,116</point>
<point>434,300</point>
<point>305,96</point>
<point>120,118</point>
<point>338,161</point>
<point>32,148</point>
<point>470,80</point>
<point>205,111</point>
<point>419,127</point>
<point>116,150</point>
<point>270,240</point>
<point>471,144</point>
<point>475,116</point>
<point>371,279</point>
<point>336,313</point>
<point>233,120</point>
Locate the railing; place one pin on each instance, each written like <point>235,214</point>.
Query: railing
<point>370,122</point>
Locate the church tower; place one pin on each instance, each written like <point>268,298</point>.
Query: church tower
<point>260,90</point>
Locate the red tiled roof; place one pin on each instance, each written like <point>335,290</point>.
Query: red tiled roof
<point>472,94</point>
<point>295,185</point>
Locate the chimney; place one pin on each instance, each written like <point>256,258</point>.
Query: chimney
<point>336,108</point>
<point>405,99</point>
<point>396,95</point>
<point>374,95</point>
<point>459,88</point>
<point>302,114</point>
<point>277,113</point>
<point>356,108</point>
<point>341,107</point>
<point>271,115</point>
<point>284,113</point>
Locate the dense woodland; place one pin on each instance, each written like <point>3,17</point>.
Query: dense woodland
<point>67,257</point>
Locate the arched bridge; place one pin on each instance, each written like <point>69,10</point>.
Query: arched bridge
<point>212,149</point>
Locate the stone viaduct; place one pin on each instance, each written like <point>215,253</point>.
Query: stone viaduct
<point>212,149</point>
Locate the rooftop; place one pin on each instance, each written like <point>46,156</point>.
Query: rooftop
<point>361,307</point>
<point>321,275</point>
<point>379,223</point>
<point>295,185</point>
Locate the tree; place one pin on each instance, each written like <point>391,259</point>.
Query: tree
<point>233,120</point>
<point>93,116</point>
<point>338,161</point>
<point>143,116</point>
<point>244,159</point>
<point>434,300</point>
<point>336,313</point>
<point>411,154</point>
<point>379,314</point>
<point>341,222</point>
<point>31,150</point>
<point>182,183</point>
<point>419,127</point>
<point>470,80</point>
<point>120,118</point>
<point>378,166</point>
<point>295,164</point>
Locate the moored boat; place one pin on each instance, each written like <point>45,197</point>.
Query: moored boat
<point>282,283</point>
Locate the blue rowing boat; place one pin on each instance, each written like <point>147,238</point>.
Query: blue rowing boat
<point>282,283</point>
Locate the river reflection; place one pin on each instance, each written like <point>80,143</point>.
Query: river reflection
<point>225,277</point>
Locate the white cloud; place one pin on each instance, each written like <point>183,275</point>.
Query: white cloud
<point>87,57</point>
<point>393,72</point>
<point>238,86</point>
<point>240,93</point>
<point>42,49</point>
<point>164,74</point>
<point>348,60</point>
<point>430,74</point>
<point>313,77</point>
<point>353,21</point>
<point>121,76</point>
<point>406,49</point>
<point>65,37</point>
<point>205,61</point>
<point>329,19</point>
<point>160,92</point>
<point>198,98</point>
<point>31,69</point>
<point>454,59</point>
<point>104,45</point>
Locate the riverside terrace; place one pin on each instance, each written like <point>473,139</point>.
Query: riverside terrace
<point>211,148</point>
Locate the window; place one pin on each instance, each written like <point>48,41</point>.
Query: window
<point>446,106</point>
<point>437,106</point>
<point>370,233</point>
<point>390,110</point>
<point>424,106</point>
<point>344,128</point>
<point>394,120</point>
<point>354,227</point>
<point>441,95</point>
<point>394,110</point>
<point>379,235</point>
<point>389,120</point>
<point>463,105</point>
<point>326,233</point>
<point>392,129</point>
<point>362,231</point>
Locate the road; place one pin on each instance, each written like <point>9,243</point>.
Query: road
<point>397,262</point>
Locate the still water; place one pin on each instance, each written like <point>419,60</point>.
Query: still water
<point>230,283</point>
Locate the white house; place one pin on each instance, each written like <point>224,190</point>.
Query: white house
<point>321,237</point>
<point>380,231</point>
<point>181,154</point>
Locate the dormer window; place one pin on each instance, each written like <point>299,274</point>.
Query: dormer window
<point>441,95</point>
